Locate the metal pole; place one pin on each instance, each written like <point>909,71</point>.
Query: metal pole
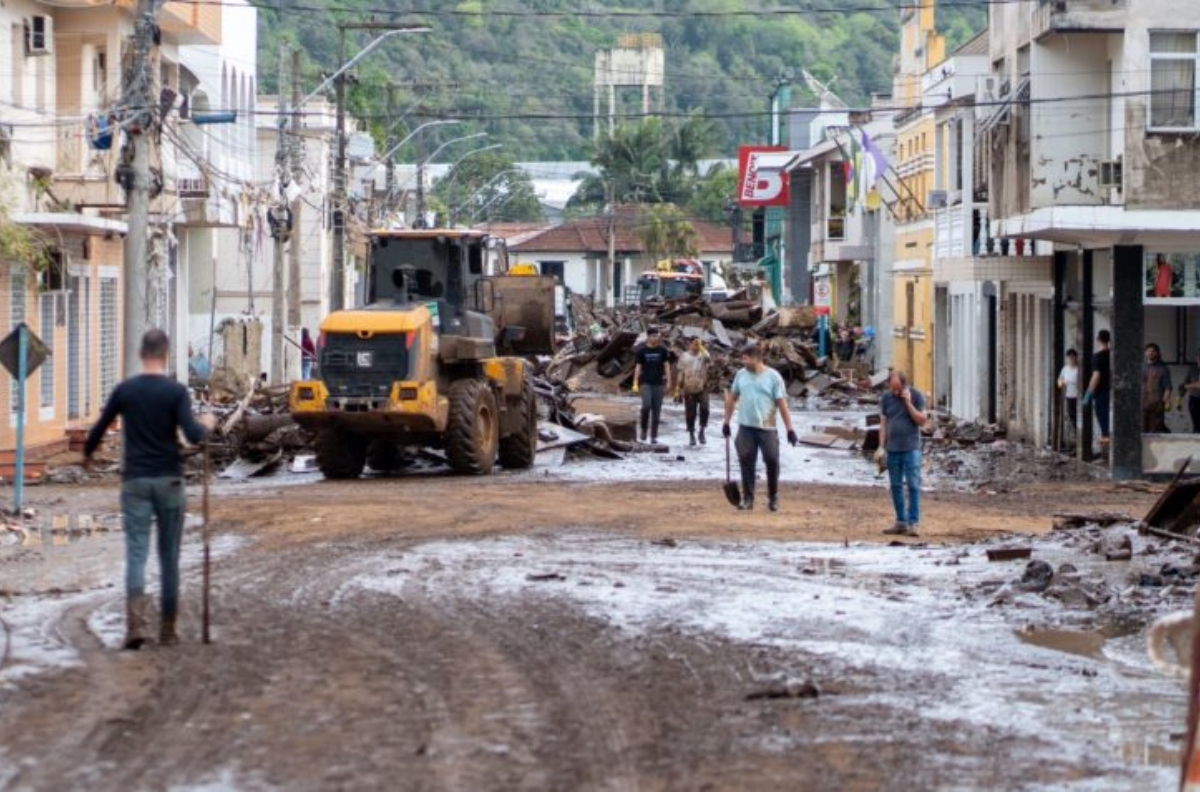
<point>22,364</point>
<point>337,285</point>
<point>139,102</point>
<point>419,220</point>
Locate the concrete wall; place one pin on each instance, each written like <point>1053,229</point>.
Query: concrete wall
<point>1068,137</point>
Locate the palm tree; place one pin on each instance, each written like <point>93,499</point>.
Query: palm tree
<point>666,233</point>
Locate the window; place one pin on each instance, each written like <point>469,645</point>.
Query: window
<point>555,269</point>
<point>17,295</point>
<point>109,339</point>
<point>47,369</point>
<point>1173,60</point>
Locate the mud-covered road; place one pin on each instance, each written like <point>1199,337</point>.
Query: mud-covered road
<point>522,633</point>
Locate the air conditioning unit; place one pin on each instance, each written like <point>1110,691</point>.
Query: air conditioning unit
<point>39,35</point>
<point>192,188</point>
<point>938,199</point>
<point>985,95</point>
<point>1111,175</point>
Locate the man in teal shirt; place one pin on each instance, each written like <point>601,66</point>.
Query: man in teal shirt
<point>759,396</point>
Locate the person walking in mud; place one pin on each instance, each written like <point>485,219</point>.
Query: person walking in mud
<point>902,414</point>
<point>652,378</point>
<point>152,408</point>
<point>758,395</point>
<point>694,366</point>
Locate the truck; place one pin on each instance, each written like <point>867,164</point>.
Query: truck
<point>434,359</point>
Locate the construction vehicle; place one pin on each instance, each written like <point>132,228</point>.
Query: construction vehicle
<point>418,366</point>
<point>671,280</point>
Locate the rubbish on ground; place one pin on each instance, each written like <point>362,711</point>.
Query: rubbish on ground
<point>1008,553</point>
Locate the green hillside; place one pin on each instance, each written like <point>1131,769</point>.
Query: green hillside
<point>522,71</point>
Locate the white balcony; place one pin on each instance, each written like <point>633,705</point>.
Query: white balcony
<point>1078,16</point>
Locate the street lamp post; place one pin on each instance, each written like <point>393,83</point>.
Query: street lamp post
<point>337,290</point>
<point>420,219</point>
<point>454,212</point>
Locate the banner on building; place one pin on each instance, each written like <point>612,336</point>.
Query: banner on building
<point>762,180</point>
<point>1171,278</point>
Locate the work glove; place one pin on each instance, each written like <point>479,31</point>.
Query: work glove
<point>679,397</point>
<point>1087,398</point>
<point>636,389</point>
<point>726,431</point>
<point>793,440</point>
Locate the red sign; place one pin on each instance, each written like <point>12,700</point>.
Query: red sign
<point>761,178</point>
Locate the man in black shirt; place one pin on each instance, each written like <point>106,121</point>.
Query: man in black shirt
<point>152,407</point>
<point>1099,390</point>
<point>653,377</point>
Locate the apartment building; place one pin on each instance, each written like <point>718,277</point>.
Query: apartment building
<point>1094,150</point>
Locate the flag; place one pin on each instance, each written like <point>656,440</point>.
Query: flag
<point>853,173</point>
<point>872,167</point>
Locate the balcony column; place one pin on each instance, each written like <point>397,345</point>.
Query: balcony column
<point>1087,345</point>
<point>1128,321</point>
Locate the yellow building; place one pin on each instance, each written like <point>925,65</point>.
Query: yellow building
<point>921,48</point>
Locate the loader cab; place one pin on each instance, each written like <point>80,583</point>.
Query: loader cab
<point>429,267</point>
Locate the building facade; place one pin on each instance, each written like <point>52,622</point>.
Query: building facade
<point>1095,152</point>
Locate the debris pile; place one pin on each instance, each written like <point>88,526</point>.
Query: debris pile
<point>599,358</point>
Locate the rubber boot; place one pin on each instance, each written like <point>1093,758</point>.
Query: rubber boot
<point>702,438</point>
<point>166,632</point>
<point>135,622</point>
<point>691,438</point>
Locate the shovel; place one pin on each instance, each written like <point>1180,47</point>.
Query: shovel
<point>732,493</point>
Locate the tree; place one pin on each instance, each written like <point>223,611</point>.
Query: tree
<point>713,193</point>
<point>648,162</point>
<point>666,233</point>
<point>488,187</point>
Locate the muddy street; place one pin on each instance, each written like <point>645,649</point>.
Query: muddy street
<point>521,633</point>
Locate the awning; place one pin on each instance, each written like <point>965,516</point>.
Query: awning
<point>72,222</point>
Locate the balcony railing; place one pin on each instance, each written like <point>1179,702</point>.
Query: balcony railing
<point>1079,16</point>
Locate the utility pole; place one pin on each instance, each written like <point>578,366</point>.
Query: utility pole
<point>390,181</point>
<point>297,155</point>
<point>337,278</point>
<point>280,226</point>
<point>139,103</point>
<point>612,245</point>
<point>419,220</point>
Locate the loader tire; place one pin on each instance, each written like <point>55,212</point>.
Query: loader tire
<point>384,456</point>
<point>518,450</point>
<point>473,429</point>
<point>340,455</point>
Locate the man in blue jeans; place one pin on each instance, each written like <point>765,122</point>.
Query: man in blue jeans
<point>902,414</point>
<point>152,407</point>
<point>759,395</point>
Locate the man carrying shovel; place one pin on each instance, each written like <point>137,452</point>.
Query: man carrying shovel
<point>152,407</point>
<point>759,395</point>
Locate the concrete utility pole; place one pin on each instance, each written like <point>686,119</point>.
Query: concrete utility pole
<point>297,157</point>
<point>280,229</point>
<point>139,103</point>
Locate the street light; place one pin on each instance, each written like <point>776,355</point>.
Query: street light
<point>421,173</point>
<point>348,65</point>
<point>292,213</point>
<point>337,295</point>
<point>454,212</point>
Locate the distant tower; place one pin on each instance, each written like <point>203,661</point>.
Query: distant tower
<point>638,61</point>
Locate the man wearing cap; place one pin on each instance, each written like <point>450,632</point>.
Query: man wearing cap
<point>652,377</point>
<point>759,396</point>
